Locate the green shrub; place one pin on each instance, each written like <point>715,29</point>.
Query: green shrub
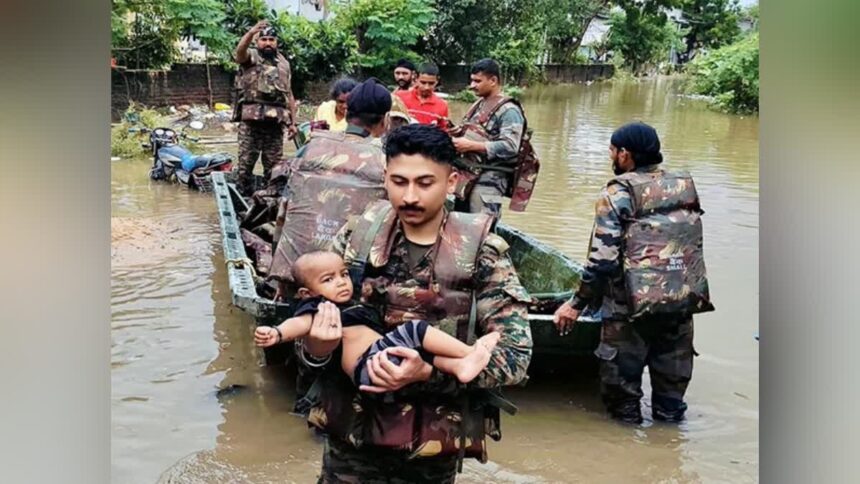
<point>127,144</point>
<point>316,50</point>
<point>515,92</point>
<point>466,96</point>
<point>729,75</point>
<point>385,30</point>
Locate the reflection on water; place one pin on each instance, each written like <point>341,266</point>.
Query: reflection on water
<point>176,340</point>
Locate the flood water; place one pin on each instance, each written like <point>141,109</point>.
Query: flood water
<point>176,339</point>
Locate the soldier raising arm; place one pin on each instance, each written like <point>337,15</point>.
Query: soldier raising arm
<point>242,56</point>
<point>265,104</point>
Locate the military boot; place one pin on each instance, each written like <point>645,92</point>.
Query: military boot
<point>628,412</point>
<point>667,409</point>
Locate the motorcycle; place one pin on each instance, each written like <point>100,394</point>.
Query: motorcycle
<point>172,161</point>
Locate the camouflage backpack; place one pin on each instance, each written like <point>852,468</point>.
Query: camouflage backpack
<point>337,176</point>
<point>522,177</point>
<point>664,265</point>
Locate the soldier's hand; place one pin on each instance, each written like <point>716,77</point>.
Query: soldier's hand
<point>265,336</point>
<point>461,144</point>
<point>292,130</point>
<point>326,326</point>
<point>564,318</point>
<point>388,377</point>
<point>259,26</point>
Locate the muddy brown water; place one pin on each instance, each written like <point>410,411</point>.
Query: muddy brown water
<point>175,338</point>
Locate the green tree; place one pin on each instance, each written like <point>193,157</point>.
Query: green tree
<point>144,33</point>
<point>729,75</point>
<point>316,50</point>
<point>454,36</point>
<point>140,38</point>
<point>643,35</point>
<point>510,31</point>
<point>241,15</point>
<point>566,22</point>
<point>712,23</point>
<point>202,20</point>
<point>386,30</point>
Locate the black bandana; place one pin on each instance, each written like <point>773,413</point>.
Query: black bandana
<point>641,140</point>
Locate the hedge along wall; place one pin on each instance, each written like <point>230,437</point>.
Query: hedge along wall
<point>188,83</point>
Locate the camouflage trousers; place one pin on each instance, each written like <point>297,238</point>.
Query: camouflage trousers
<point>486,195</point>
<point>258,139</point>
<point>343,463</point>
<point>665,345</point>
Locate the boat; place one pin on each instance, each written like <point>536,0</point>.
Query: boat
<point>547,274</point>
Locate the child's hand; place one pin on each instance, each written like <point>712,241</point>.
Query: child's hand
<point>265,336</point>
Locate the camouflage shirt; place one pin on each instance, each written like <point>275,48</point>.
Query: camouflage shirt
<point>505,128</point>
<point>502,306</point>
<point>602,283</point>
<point>266,80</point>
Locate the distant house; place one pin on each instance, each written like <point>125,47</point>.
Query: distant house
<point>315,10</point>
<point>594,39</point>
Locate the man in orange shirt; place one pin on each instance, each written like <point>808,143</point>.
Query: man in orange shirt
<point>422,102</point>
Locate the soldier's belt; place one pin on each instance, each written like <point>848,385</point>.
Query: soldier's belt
<point>264,112</point>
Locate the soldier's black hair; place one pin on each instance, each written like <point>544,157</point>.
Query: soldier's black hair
<point>342,86</point>
<point>488,67</point>
<point>405,63</point>
<point>420,139</point>
<point>429,68</point>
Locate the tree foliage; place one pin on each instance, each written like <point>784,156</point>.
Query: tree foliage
<point>385,30</point>
<point>316,50</point>
<point>712,23</point>
<point>643,35</point>
<point>566,22</point>
<point>371,35</point>
<point>730,75</point>
<point>517,33</point>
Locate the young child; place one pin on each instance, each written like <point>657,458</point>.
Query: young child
<point>323,276</point>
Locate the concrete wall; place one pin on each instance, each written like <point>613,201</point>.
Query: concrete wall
<point>187,84</point>
<point>183,84</point>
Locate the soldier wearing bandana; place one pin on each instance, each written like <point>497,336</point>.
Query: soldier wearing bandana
<point>645,271</point>
<point>264,105</point>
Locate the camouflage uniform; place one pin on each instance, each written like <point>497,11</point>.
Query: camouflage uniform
<point>343,464</point>
<point>505,129</point>
<point>664,343</point>
<point>258,138</point>
<point>501,306</point>
<point>262,108</point>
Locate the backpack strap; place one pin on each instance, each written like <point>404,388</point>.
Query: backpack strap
<point>362,249</point>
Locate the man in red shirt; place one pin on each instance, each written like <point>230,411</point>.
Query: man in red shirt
<point>422,102</point>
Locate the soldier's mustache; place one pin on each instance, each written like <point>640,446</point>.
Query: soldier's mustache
<point>410,208</point>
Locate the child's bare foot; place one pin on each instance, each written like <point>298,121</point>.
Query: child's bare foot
<point>471,365</point>
<point>489,340</point>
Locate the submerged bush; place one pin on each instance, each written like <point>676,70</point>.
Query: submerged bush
<point>126,144</point>
<point>729,75</point>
